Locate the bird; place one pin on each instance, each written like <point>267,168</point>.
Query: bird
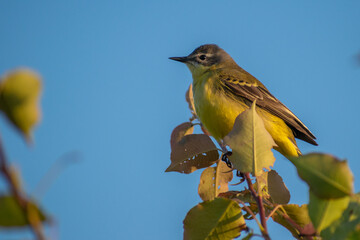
<point>222,90</point>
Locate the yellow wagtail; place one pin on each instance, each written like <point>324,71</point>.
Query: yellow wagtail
<point>222,90</point>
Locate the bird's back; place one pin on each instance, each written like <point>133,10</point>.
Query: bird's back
<point>239,84</point>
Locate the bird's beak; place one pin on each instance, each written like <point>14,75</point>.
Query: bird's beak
<point>180,59</point>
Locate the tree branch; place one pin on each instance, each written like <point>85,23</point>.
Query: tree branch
<point>248,210</point>
<point>32,219</point>
<point>260,204</point>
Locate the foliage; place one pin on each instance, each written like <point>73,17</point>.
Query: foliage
<point>214,180</point>
<point>333,211</point>
<point>215,219</point>
<point>12,214</point>
<point>19,97</point>
<point>190,151</point>
<point>251,144</point>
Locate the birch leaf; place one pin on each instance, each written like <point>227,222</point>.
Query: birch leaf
<point>277,189</point>
<point>214,180</point>
<point>327,176</point>
<point>19,96</point>
<point>190,152</point>
<point>180,131</point>
<point>323,212</point>
<point>12,215</point>
<point>219,219</point>
<point>251,144</point>
<point>289,214</point>
<point>348,225</point>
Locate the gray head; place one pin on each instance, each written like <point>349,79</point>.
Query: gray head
<point>206,56</point>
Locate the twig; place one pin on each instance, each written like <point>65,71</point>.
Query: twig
<point>272,212</point>
<point>260,204</point>
<point>223,147</point>
<point>247,209</point>
<point>17,193</point>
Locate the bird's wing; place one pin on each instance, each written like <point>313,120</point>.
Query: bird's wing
<point>244,85</point>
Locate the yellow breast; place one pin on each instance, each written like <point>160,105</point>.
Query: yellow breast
<point>216,111</point>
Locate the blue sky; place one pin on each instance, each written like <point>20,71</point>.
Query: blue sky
<point>111,94</point>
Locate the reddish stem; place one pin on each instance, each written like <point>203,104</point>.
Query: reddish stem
<point>260,204</point>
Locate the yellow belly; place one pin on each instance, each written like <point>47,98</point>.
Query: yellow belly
<point>218,113</point>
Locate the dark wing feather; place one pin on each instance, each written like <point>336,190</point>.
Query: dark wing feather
<point>253,89</point>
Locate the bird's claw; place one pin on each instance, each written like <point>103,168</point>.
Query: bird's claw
<point>225,158</point>
<point>241,175</point>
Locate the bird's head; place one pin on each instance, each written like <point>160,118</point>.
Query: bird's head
<point>205,57</point>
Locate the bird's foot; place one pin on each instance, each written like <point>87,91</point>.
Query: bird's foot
<point>241,175</point>
<point>225,158</point>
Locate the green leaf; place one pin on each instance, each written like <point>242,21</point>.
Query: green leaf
<point>19,96</point>
<point>12,215</point>
<point>323,212</point>
<point>245,197</point>
<point>251,144</point>
<point>348,225</point>
<point>277,189</point>
<point>295,218</point>
<point>217,219</point>
<point>190,152</point>
<point>326,176</point>
<point>214,180</point>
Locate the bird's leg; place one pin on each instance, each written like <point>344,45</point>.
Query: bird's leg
<point>226,154</point>
<point>241,175</point>
<point>225,158</point>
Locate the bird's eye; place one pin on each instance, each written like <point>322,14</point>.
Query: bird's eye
<point>202,57</point>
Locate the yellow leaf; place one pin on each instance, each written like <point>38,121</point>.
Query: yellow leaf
<point>190,100</point>
<point>19,96</point>
<point>214,180</point>
<point>251,144</point>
